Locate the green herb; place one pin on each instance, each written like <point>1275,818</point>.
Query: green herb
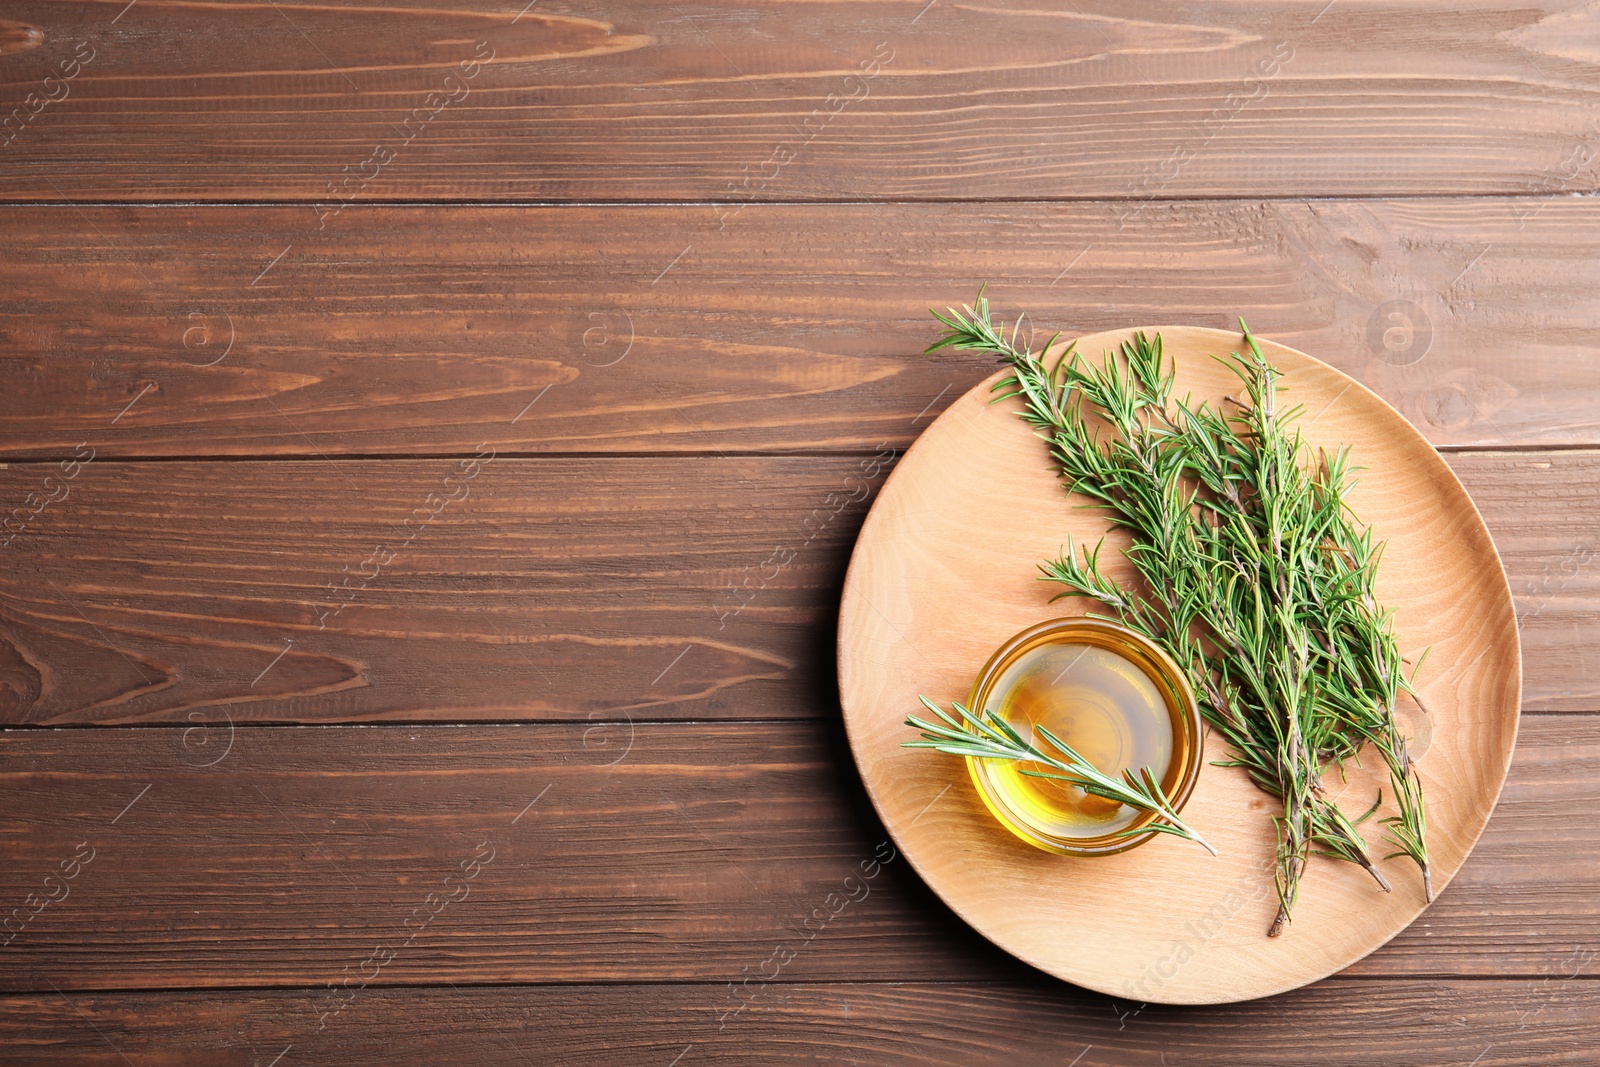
<point>1253,573</point>
<point>989,736</point>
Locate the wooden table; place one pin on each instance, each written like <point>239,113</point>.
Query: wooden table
<point>434,439</point>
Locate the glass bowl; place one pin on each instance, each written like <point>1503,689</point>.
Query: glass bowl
<point>1110,693</point>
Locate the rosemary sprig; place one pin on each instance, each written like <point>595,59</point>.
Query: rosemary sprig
<point>1253,573</point>
<point>989,736</point>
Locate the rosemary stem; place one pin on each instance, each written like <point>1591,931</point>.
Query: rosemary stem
<point>1250,568</point>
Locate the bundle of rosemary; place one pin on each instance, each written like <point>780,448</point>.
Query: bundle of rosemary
<point>1252,572</point>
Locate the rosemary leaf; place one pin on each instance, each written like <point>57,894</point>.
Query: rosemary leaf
<point>1252,571</point>
<point>989,736</point>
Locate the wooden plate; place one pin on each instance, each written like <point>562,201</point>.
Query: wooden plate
<point>945,570</point>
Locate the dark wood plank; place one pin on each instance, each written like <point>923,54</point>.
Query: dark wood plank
<point>1549,541</point>
<point>356,590</point>
<point>651,99</point>
<point>555,589</point>
<point>243,331</point>
<point>1336,1023</point>
<point>693,856</point>
<point>566,589</point>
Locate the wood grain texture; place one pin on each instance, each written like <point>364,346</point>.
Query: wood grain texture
<point>347,591</point>
<point>1551,549</point>
<point>291,858</point>
<point>182,331</point>
<point>557,588</point>
<point>927,601</point>
<point>1525,1023</point>
<point>675,255</point>
<point>652,99</point>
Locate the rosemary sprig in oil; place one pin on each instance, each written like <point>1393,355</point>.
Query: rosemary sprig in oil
<point>990,736</point>
<point>1253,573</point>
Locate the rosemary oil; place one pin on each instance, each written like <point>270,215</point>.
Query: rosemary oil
<point>1098,688</point>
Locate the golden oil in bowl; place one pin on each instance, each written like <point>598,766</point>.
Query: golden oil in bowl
<point>1111,694</point>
